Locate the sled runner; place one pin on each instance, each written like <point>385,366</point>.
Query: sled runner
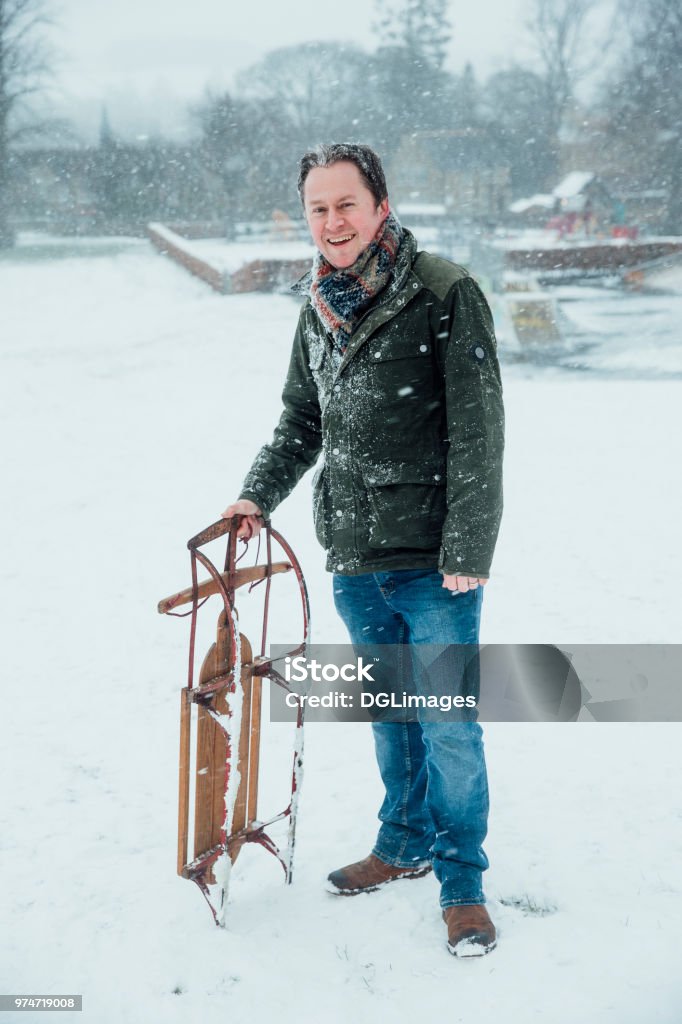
<point>227,734</point>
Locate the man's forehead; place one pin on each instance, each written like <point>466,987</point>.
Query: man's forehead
<point>338,181</point>
<point>339,199</point>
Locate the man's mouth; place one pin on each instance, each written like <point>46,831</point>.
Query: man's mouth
<point>341,240</point>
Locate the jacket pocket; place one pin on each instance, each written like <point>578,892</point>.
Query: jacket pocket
<point>318,507</point>
<point>388,346</point>
<point>407,505</point>
<point>400,365</point>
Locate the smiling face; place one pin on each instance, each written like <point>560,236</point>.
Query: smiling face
<point>342,213</point>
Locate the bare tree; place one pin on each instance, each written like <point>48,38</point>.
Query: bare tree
<point>558,36</point>
<point>419,27</point>
<point>25,63</point>
<point>249,150</point>
<point>643,101</point>
<point>407,87</point>
<point>317,106</point>
<point>513,101</point>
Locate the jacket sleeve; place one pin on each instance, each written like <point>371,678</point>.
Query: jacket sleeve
<point>475,419</point>
<point>297,440</point>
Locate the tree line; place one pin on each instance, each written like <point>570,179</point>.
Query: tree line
<point>248,140</point>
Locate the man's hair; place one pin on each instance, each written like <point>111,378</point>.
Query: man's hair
<point>364,158</point>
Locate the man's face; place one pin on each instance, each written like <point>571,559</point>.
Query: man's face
<point>341,212</point>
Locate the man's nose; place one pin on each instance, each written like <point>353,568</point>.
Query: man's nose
<point>334,220</point>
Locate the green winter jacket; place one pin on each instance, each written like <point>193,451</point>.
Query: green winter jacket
<point>410,424</point>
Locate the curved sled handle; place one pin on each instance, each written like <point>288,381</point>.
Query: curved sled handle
<point>214,531</point>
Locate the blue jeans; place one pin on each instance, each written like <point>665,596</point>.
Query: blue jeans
<point>436,804</point>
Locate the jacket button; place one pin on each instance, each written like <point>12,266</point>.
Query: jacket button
<point>423,348</point>
<point>377,355</point>
<point>479,352</point>
<point>339,512</point>
<point>337,387</point>
<point>335,451</point>
<point>339,567</point>
<point>436,476</point>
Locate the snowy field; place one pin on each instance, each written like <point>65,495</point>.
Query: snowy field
<point>609,332</point>
<point>132,401</point>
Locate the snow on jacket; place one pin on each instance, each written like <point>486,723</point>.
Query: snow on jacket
<point>410,423</point>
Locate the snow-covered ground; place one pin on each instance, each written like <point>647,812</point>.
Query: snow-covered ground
<point>132,401</point>
<point>227,257</point>
<point>230,256</point>
<point>604,332</point>
<point>549,238</point>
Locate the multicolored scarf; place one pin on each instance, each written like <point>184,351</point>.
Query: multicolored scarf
<point>341,296</point>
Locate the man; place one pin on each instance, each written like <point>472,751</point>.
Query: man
<point>394,377</point>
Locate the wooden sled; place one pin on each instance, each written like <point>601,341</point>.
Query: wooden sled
<point>227,734</point>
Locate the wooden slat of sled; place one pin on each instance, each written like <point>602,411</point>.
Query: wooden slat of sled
<point>207,587</point>
<point>209,798</point>
<point>240,814</point>
<point>183,795</point>
<point>212,752</point>
<point>254,747</point>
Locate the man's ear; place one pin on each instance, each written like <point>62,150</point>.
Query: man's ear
<point>384,207</point>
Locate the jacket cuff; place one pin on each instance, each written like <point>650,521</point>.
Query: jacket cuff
<point>450,564</point>
<point>257,500</point>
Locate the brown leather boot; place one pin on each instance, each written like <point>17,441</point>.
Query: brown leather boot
<point>370,874</point>
<point>470,930</point>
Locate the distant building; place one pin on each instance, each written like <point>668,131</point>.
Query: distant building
<point>580,200</point>
<point>459,170</point>
<point>580,190</point>
<point>425,214</point>
<point>114,188</point>
<point>534,210</point>
<point>647,207</point>
<point>53,189</point>
<point>590,140</point>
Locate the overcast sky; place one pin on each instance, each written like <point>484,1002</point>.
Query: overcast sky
<point>147,58</point>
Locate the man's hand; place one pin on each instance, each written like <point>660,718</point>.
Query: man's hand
<point>463,584</point>
<point>252,522</point>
